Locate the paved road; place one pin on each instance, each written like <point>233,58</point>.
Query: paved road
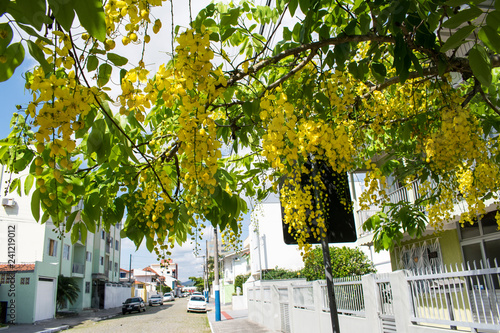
<point>170,317</point>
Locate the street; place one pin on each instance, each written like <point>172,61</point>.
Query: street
<point>169,317</point>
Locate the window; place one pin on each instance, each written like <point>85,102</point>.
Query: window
<point>2,278</point>
<point>25,281</point>
<point>52,248</point>
<point>89,256</point>
<point>117,245</point>
<point>87,287</point>
<point>123,275</point>
<point>102,261</point>
<point>116,267</point>
<point>103,234</point>
<point>110,265</point>
<point>66,252</point>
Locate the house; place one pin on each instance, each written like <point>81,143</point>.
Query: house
<point>234,264</point>
<point>38,254</point>
<point>455,244</point>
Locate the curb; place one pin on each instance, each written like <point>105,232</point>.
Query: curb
<point>55,329</point>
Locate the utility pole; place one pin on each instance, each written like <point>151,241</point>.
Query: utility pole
<point>130,269</point>
<point>216,277</point>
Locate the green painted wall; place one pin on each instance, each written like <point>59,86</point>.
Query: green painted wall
<point>450,247</point>
<point>23,309</point>
<point>228,293</point>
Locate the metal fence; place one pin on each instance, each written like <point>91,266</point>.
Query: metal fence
<point>465,296</point>
<point>349,296</point>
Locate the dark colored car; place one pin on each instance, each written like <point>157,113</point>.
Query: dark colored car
<point>133,304</point>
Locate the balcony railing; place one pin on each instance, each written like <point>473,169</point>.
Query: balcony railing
<point>78,268</point>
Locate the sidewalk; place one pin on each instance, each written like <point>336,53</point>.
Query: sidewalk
<point>61,324</point>
<point>232,321</point>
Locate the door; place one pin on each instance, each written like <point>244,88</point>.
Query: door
<point>45,307</point>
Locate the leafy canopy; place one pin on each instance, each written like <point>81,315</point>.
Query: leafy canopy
<point>381,86</point>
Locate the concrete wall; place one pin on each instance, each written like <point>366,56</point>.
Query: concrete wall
<point>115,295</point>
<point>269,311</point>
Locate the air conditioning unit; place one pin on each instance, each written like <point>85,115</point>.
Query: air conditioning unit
<point>8,202</point>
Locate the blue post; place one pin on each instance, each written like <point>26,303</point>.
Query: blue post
<point>217,303</point>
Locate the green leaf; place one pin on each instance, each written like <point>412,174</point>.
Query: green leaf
<point>292,6</point>
<point>480,64</point>
<point>104,74</point>
<point>70,220</point>
<point>39,56</point>
<point>462,17</point>
<point>34,12</point>
<point>117,60</point>
<point>91,16</point>
<point>28,184</point>
<point>4,4</point>
<point>14,57</point>
<point>5,36</point>
<point>457,39</point>
<point>33,33</point>
<point>35,205</point>
<point>490,38</point>
<point>92,63</point>
<point>83,232</point>
<point>379,71</point>
<point>304,5</point>
<point>75,235</point>
<point>493,19</point>
<point>64,12</point>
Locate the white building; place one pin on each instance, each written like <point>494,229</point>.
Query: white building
<point>37,255</point>
<point>268,249</point>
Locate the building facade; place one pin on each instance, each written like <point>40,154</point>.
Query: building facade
<point>36,254</point>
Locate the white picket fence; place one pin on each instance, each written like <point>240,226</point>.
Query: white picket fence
<point>463,299</point>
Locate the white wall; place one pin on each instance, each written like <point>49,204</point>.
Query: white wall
<point>115,295</point>
<point>273,250</point>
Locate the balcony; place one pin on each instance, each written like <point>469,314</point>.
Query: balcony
<point>396,196</point>
<point>78,270</point>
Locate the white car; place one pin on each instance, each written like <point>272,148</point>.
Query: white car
<point>156,300</point>
<point>197,303</point>
<point>168,297</point>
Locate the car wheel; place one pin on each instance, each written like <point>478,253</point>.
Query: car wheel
<point>124,312</point>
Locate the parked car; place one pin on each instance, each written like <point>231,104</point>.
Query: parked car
<point>133,304</point>
<point>168,297</point>
<point>156,300</point>
<point>197,303</point>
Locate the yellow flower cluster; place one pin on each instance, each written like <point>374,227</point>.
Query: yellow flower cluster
<point>136,12</point>
<point>60,56</point>
<point>186,88</point>
<point>58,107</point>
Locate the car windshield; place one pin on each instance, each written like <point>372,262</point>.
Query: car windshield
<point>155,296</point>
<point>197,298</point>
<point>131,300</point>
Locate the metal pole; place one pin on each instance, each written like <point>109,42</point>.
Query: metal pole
<point>216,278</point>
<point>334,317</point>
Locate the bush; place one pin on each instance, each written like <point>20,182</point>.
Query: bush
<point>345,262</point>
<point>239,280</point>
<point>280,274</point>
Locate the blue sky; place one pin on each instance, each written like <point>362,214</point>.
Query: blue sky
<point>12,93</point>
